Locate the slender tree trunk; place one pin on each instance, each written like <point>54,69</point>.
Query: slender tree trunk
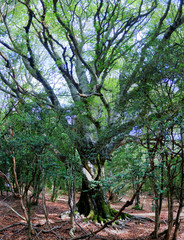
<point>162,186</point>
<point>113,197</point>
<point>54,191</point>
<point>26,213</point>
<point>170,202</point>
<point>157,215</point>
<point>44,201</point>
<point>177,221</point>
<point>28,205</point>
<point>170,215</point>
<point>151,153</point>
<point>181,200</point>
<point>158,203</point>
<point>37,188</point>
<point>71,203</point>
<point>137,199</point>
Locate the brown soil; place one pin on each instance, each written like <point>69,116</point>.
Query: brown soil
<point>60,226</point>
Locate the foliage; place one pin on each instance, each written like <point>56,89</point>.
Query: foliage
<point>30,135</point>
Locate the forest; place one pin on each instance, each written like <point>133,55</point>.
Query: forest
<point>91,114</point>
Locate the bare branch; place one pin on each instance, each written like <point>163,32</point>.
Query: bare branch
<point>2,175</point>
<point>71,38</point>
<point>6,205</point>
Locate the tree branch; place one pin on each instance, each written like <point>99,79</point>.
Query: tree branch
<point>6,205</point>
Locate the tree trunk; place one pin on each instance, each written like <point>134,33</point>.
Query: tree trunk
<point>93,202</point>
<point>113,197</point>
<point>181,194</point>
<point>170,216</point>
<point>71,202</point>
<point>157,216</point>
<point>137,200</point>
<point>170,209</point>
<point>44,200</point>
<point>54,191</point>
<point>177,221</point>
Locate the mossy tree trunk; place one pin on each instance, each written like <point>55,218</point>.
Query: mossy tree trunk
<point>93,202</point>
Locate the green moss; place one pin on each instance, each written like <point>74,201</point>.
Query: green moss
<point>113,212</point>
<point>91,215</point>
<point>100,219</point>
<point>137,207</point>
<point>122,216</point>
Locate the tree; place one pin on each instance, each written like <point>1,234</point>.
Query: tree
<point>162,135</point>
<point>93,48</point>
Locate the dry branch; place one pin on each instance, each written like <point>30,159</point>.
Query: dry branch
<point>5,204</point>
<point>2,175</point>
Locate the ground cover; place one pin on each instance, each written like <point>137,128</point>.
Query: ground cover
<point>60,226</point>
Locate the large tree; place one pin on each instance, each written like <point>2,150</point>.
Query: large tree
<point>102,54</point>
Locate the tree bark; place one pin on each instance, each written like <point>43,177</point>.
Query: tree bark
<point>93,202</point>
<point>181,195</point>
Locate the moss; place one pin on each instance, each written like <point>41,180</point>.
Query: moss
<point>113,211</point>
<point>100,219</point>
<point>85,220</point>
<point>93,205</point>
<point>137,207</point>
<point>104,209</point>
<point>122,216</point>
<point>91,215</point>
<point>126,215</point>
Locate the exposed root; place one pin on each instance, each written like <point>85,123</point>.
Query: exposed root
<point>51,230</point>
<point>72,231</point>
<point>139,218</point>
<point>13,225</point>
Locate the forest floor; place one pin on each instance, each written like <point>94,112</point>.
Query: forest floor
<point>59,228</point>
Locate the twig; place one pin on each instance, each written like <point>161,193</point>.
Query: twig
<point>55,227</point>
<point>50,230</point>
<point>79,225</point>
<point>57,235</point>
<point>13,225</point>
<point>19,230</point>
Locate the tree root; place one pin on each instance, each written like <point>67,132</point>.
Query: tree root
<point>12,225</point>
<point>35,228</point>
<point>139,218</point>
<point>160,234</point>
<point>51,230</point>
<point>163,233</point>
